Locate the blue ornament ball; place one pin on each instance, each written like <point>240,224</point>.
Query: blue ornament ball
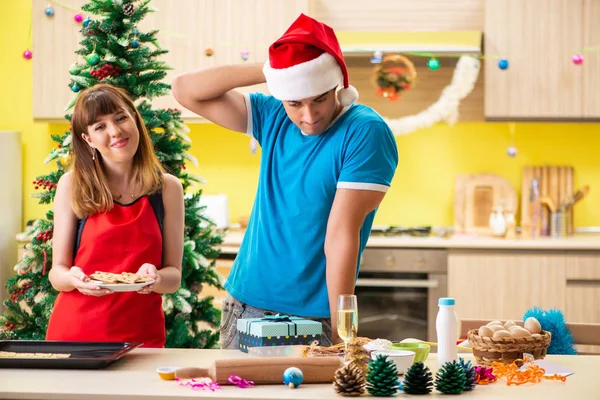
<point>49,11</point>
<point>503,64</point>
<point>135,43</point>
<point>75,88</point>
<point>293,377</point>
<point>86,22</point>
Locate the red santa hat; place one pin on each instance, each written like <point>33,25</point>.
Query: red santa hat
<point>307,61</point>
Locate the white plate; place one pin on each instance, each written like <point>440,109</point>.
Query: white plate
<point>122,287</point>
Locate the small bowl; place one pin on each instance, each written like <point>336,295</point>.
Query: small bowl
<point>166,373</point>
<point>421,349</point>
<point>402,358</point>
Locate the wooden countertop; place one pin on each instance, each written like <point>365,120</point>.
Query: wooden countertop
<point>586,242</point>
<point>134,377</point>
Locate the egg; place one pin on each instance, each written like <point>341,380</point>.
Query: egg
<point>512,328</point>
<point>536,335</point>
<point>496,322</point>
<point>496,327</point>
<point>532,325</point>
<point>485,331</point>
<point>519,332</point>
<point>508,324</point>
<point>501,334</point>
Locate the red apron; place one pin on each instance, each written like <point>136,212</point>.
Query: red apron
<point>118,241</point>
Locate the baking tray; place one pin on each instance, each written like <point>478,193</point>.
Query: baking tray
<point>83,355</point>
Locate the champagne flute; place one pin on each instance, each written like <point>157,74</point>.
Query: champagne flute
<point>347,319</point>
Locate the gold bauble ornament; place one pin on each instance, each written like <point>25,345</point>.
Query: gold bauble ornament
<point>65,160</point>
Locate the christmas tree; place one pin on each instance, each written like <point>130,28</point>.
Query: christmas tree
<point>115,52</point>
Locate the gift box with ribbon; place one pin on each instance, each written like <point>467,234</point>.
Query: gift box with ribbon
<point>277,330</point>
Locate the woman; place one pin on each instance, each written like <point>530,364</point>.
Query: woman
<point>116,211</point>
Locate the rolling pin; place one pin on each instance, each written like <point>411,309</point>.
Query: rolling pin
<point>265,370</point>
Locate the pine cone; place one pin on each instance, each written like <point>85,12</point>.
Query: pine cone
<point>128,9</point>
<point>470,374</point>
<point>418,379</point>
<point>451,378</point>
<point>382,378</point>
<point>349,381</point>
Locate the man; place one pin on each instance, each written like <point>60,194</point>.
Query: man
<point>326,166</point>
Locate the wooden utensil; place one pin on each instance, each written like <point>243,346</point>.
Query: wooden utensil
<point>580,194</point>
<point>549,203</point>
<point>266,370</point>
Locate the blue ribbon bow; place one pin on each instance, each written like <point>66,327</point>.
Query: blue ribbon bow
<point>276,318</point>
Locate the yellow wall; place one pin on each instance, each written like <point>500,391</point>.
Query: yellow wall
<point>422,190</point>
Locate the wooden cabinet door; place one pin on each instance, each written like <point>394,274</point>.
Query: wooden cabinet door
<point>186,29</point>
<point>591,63</point>
<point>505,284</point>
<point>583,287</point>
<point>538,38</point>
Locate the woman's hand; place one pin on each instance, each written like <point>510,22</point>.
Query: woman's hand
<point>150,271</point>
<point>80,281</point>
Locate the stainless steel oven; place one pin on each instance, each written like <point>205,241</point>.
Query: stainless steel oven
<point>398,290</point>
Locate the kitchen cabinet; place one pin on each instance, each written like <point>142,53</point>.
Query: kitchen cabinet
<point>492,284</point>
<point>591,63</point>
<point>539,39</point>
<point>11,203</point>
<point>187,28</point>
<point>504,284</point>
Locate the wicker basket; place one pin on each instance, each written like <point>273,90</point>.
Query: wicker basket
<point>487,350</point>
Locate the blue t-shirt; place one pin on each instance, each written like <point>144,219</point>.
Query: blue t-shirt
<point>281,262</point>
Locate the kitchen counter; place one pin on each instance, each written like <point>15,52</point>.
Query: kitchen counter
<point>134,377</point>
<point>585,242</point>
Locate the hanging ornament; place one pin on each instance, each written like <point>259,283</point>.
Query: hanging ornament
<point>128,9</point>
<point>78,18</point>
<point>209,52</point>
<point>503,64</point>
<point>394,75</point>
<point>75,88</point>
<point>253,146</point>
<point>577,59</point>
<point>93,59</point>
<point>135,32</point>
<point>377,56</point>
<point>86,22</point>
<point>74,69</point>
<point>512,151</point>
<point>27,54</point>
<point>433,64</point>
<point>49,10</point>
<point>245,54</point>
<point>135,43</point>
<point>65,160</point>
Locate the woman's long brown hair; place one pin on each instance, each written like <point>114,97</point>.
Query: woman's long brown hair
<point>91,193</point>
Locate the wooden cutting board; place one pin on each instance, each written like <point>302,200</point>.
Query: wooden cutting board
<point>556,182</point>
<point>475,196</point>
